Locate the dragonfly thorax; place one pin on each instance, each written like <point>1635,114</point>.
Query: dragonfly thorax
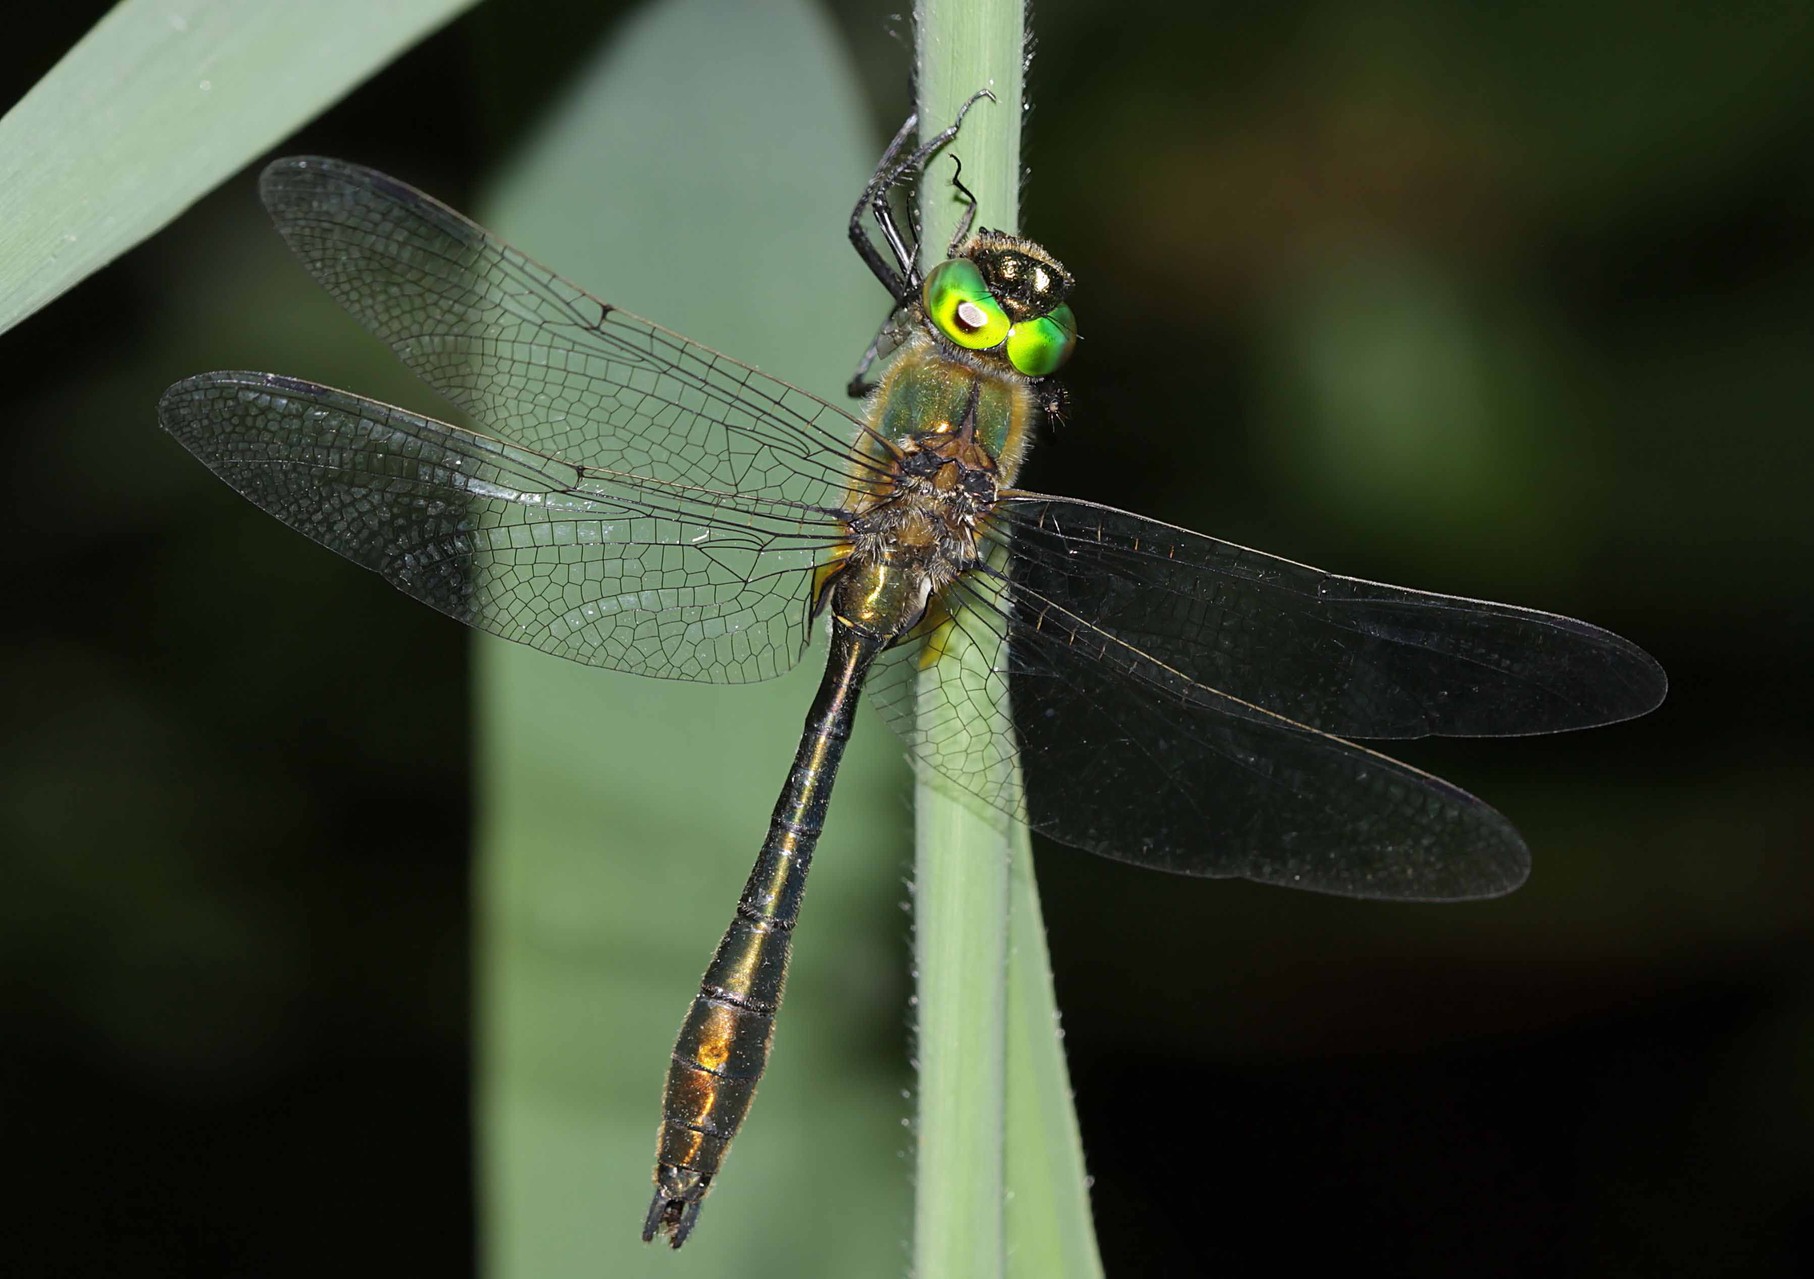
<point>920,536</point>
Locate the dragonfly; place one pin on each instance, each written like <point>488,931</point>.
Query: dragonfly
<point>630,499</point>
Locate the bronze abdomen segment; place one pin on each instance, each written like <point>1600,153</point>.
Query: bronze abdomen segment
<point>724,1041</point>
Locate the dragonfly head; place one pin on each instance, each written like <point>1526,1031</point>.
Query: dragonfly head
<point>1007,295</point>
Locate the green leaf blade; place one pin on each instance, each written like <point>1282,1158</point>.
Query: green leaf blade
<point>698,170</point>
<point>157,105</point>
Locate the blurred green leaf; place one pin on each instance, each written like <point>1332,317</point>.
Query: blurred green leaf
<point>700,173</point>
<point>155,106</point>
<point>1406,399</point>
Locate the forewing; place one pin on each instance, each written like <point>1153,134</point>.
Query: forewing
<point>610,570</point>
<point>1350,657</point>
<point>538,360</point>
<point>1132,760</point>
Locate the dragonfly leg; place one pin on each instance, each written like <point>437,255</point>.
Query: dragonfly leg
<point>887,337</point>
<point>875,198</point>
<point>901,277</point>
<point>968,196</point>
<point>1054,400</point>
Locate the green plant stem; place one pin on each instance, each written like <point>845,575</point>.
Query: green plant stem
<point>618,815</point>
<point>1051,1234</point>
<point>961,857</point>
<point>1000,1186</point>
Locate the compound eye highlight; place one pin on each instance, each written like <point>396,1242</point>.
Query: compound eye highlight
<point>1039,346</point>
<point>960,305</point>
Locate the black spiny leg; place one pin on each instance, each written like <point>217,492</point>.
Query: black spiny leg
<point>901,277</point>
<point>968,196</point>
<point>876,195</point>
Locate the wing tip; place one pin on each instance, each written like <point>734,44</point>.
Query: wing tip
<point>179,394</point>
<point>183,392</point>
<point>1506,872</point>
<point>294,166</point>
<point>1486,858</point>
<point>1643,684</point>
<point>1515,873</point>
<point>1656,682</point>
<point>297,182</point>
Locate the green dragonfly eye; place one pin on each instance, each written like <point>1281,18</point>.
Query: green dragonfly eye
<point>1037,347</point>
<point>960,304</point>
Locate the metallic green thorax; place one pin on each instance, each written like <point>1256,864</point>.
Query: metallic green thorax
<point>928,392</point>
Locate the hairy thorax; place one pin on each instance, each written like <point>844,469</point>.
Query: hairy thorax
<point>949,435</point>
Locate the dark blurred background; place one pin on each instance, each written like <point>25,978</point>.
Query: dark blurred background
<point>1509,304</point>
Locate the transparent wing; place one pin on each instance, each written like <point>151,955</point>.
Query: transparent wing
<point>1349,657</point>
<point>662,579</point>
<point>538,360</point>
<point>1130,759</point>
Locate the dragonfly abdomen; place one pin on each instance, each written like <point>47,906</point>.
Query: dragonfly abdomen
<point>717,1062</point>
<point>724,1042</point>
